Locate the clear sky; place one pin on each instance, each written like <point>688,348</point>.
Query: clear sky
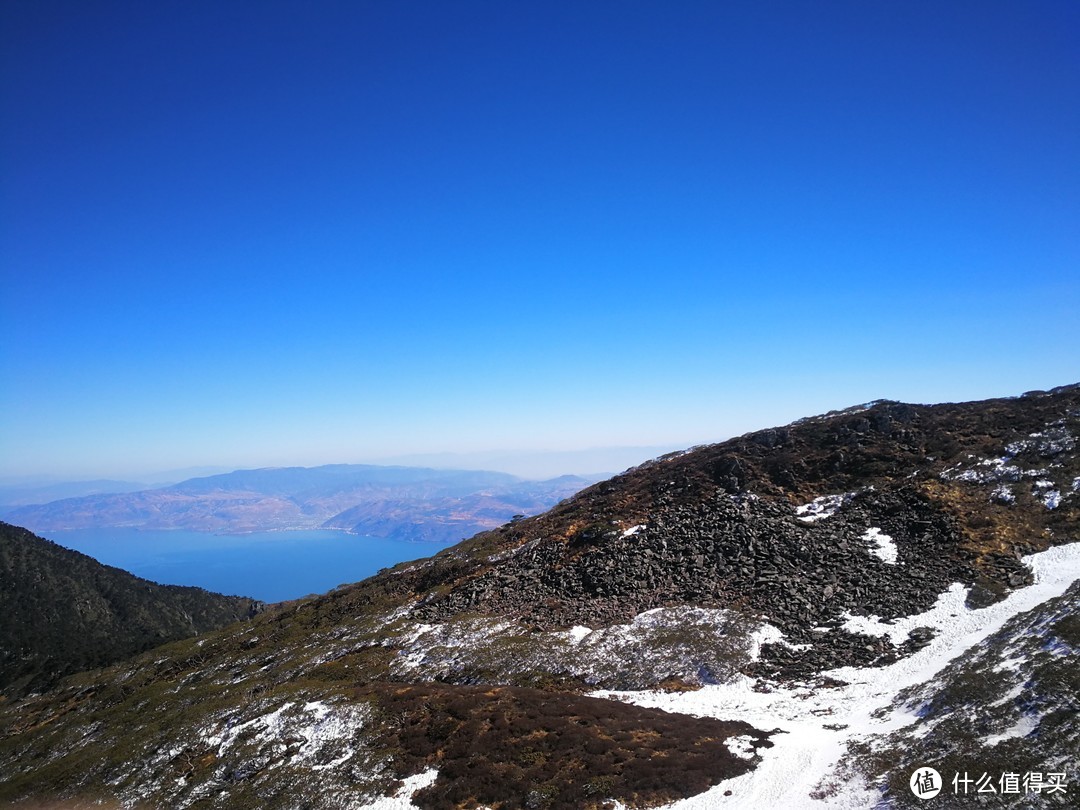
<point>265,233</point>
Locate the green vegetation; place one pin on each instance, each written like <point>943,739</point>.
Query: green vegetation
<point>65,612</point>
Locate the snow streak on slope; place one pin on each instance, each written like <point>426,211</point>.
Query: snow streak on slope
<point>818,720</point>
<point>402,800</point>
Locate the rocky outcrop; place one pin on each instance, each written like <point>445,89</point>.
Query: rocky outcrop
<point>782,524</point>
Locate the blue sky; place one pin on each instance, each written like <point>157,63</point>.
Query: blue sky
<point>250,234</point>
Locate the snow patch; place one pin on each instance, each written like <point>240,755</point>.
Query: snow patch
<point>742,746</point>
<point>1016,691</point>
<point>1044,490</point>
<point>515,551</point>
<point>465,635</point>
<point>577,633</point>
<point>316,725</point>
<point>763,634</point>
<point>266,728</point>
<point>328,726</point>
<point>1024,726</point>
<point>1054,441</point>
<point>417,631</point>
<point>884,548</point>
<point>820,721</point>
<point>766,633</point>
<point>402,800</point>
<point>984,471</point>
<point>692,643</point>
<point>823,507</point>
<point>1003,494</point>
<point>632,531</point>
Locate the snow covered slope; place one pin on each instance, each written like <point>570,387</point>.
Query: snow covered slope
<point>835,729</point>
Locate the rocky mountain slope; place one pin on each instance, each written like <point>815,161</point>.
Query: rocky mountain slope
<point>859,594</point>
<point>410,503</point>
<point>64,612</point>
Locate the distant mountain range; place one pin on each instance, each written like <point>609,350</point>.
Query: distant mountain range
<point>14,495</point>
<point>405,502</point>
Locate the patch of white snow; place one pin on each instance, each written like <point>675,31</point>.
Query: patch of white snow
<point>1003,494</point>
<point>742,746</point>
<point>763,634</point>
<point>884,548</point>
<point>985,471</point>
<point>328,725</point>
<point>766,633</point>
<point>791,770</point>
<point>1024,726</point>
<point>266,727</point>
<point>316,724</point>
<point>823,507</point>
<point>402,800</point>
<point>577,633</point>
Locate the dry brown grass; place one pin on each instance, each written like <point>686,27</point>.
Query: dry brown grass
<point>514,747</point>
<point>989,529</point>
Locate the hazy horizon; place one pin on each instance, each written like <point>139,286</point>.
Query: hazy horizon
<point>237,235</point>
<point>537,465</point>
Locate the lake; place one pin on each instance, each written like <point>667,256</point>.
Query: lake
<point>271,566</point>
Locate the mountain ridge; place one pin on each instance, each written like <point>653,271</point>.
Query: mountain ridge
<point>409,503</point>
<point>793,564</point>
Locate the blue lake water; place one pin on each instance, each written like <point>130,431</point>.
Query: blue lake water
<point>271,566</point>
